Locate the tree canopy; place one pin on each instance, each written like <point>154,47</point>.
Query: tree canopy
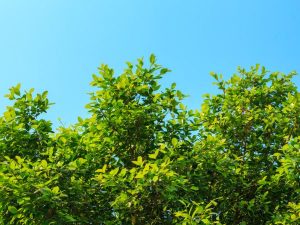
<point>142,157</point>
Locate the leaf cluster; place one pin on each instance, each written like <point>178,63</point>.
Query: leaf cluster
<point>142,157</point>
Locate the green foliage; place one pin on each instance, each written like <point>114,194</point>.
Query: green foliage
<point>251,130</point>
<point>142,157</point>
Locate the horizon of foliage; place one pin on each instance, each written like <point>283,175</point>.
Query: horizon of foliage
<point>142,157</point>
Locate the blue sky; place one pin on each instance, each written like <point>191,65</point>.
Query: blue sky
<point>57,45</point>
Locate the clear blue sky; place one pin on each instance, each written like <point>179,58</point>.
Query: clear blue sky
<point>56,45</point>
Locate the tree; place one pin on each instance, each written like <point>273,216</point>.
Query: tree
<point>142,157</point>
<point>249,139</point>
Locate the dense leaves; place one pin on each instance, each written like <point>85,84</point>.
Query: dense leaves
<point>142,157</point>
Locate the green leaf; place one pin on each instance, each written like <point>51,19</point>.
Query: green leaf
<point>182,106</point>
<point>205,107</point>
<point>206,221</point>
<point>139,161</point>
<point>44,163</point>
<point>114,171</point>
<point>214,75</point>
<point>140,175</point>
<point>55,190</point>
<point>103,170</point>
<point>194,188</point>
<point>152,58</point>
<point>17,89</point>
<point>12,209</point>
<point>155,179</point>
<point>44,95</point>
<point>69,218</point>
<point>164,71</point>
<point>174,142</point>
<point>12,165</point>
<point>154,155</point>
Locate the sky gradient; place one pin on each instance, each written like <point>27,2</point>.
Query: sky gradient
<point>57,45</point>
